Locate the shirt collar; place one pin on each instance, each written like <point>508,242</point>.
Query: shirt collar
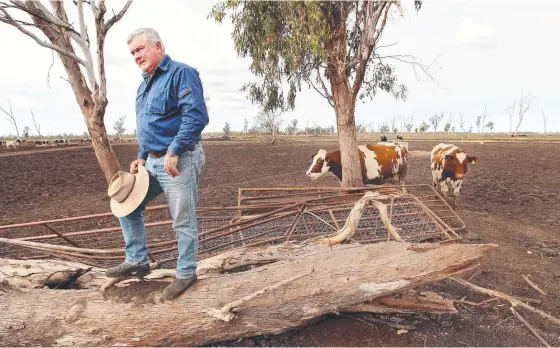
<point>163,65</point>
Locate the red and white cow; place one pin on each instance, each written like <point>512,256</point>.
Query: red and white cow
<point>380,163</point>
<point>449,166</point>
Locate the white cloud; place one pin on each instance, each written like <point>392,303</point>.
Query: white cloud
<point>523,59</point>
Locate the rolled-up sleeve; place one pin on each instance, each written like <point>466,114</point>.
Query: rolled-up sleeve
<point>194,115</point>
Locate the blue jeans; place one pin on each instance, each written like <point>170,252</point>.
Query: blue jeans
<point>181,193</point>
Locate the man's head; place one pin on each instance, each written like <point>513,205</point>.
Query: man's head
<point>147,48</point>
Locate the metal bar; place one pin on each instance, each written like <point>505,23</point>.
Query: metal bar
<point>70,219</point>
<point>253,219</point>
<point>61,235</point>
<point>295,222</point>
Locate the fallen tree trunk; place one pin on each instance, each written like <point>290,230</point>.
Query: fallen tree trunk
<point>264,300</point>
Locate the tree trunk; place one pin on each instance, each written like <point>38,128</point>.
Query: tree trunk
<point>103,151</point>
<point>344,103</point>
<point>308,282</point>
<point>93,110</point>
<point>518,124</point>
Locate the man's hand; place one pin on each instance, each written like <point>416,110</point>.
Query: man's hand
<point>134,165</point>
<point>170,165</point>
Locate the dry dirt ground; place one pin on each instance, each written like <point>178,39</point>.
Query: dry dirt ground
<point>510,197</point>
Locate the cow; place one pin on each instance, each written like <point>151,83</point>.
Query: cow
<point>13,144</point>
<point>399,137</point>
<point>379,163</point>
<point>383,139</point>
<point>449,166</point>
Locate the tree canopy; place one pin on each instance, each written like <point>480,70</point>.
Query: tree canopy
<point>289,43</point>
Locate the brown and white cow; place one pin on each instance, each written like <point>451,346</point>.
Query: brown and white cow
<point>449,166</point>
<point>380,163</point>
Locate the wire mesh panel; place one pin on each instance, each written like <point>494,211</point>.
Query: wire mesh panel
<point>266,217</point>
<point>425,193</point>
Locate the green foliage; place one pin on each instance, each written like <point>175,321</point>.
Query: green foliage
<point>423,127</point>
<point>290,43</point>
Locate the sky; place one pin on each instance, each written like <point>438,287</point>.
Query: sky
<point>485,54</point>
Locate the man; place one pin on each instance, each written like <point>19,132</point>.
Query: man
<point>170,116</point>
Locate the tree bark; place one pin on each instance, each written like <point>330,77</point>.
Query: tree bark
<point>92,99</point>
<point>344,101</point>
<point>307,282</point>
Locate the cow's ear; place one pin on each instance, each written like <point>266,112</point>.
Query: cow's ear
<point>327,158</point>
<point>449,157</point>
<point>472,160</point>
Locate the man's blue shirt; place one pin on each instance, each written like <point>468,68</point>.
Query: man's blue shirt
<point>170,109</point>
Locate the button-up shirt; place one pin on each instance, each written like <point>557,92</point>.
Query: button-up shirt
<point>170,109</point>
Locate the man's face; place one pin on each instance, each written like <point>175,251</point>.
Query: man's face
<point>146,54</point>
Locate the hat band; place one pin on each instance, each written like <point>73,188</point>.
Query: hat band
<point>130,191</point>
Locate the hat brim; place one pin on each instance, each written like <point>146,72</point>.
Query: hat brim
<point>136,196</point>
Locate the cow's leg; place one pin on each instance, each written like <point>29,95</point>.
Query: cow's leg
<point>444,187</point>
<point>457,184</point>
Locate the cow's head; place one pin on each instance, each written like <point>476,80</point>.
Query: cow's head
<point>459,161</point>
<point>319,165</point>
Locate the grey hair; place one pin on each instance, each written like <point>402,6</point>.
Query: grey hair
<point>149,34</point>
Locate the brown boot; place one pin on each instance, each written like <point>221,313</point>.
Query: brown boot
<point>177,287</point>
<point>126,270</point>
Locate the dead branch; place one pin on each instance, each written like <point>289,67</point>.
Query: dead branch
<point>462,123</point>
<point>533,285</point>
<point>510,299</point>
<point>353,219</point>
<point>8,19</point>
<point>90,317</point>
<point>544,120</point>
<point>524,104</point>
<point>10,117</point>
<point>37,126</point>
<point>510,110</point>
<point>117,17</point>
<point>483,118</point>
<point>529,326</point>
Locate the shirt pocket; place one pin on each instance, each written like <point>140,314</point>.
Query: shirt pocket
<point>160,103</point>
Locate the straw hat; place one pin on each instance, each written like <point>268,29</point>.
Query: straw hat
<point>127,191</point>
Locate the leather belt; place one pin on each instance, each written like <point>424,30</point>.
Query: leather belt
<point>159,154</point>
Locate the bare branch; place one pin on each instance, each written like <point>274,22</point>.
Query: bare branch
<point>10,117</point>
<point>49,72</point>
<point>85,47</point>
<point>118,17</point>
<point>417,65</point>
<point>524,104</point>
<point>544,119</point>
<point>8,19</point>
<point>373,12</point>
<point>37,127</point>
<point>326,95</point>
<point>462,123</point>
<point>41,12</point>
<point>510,111</point>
